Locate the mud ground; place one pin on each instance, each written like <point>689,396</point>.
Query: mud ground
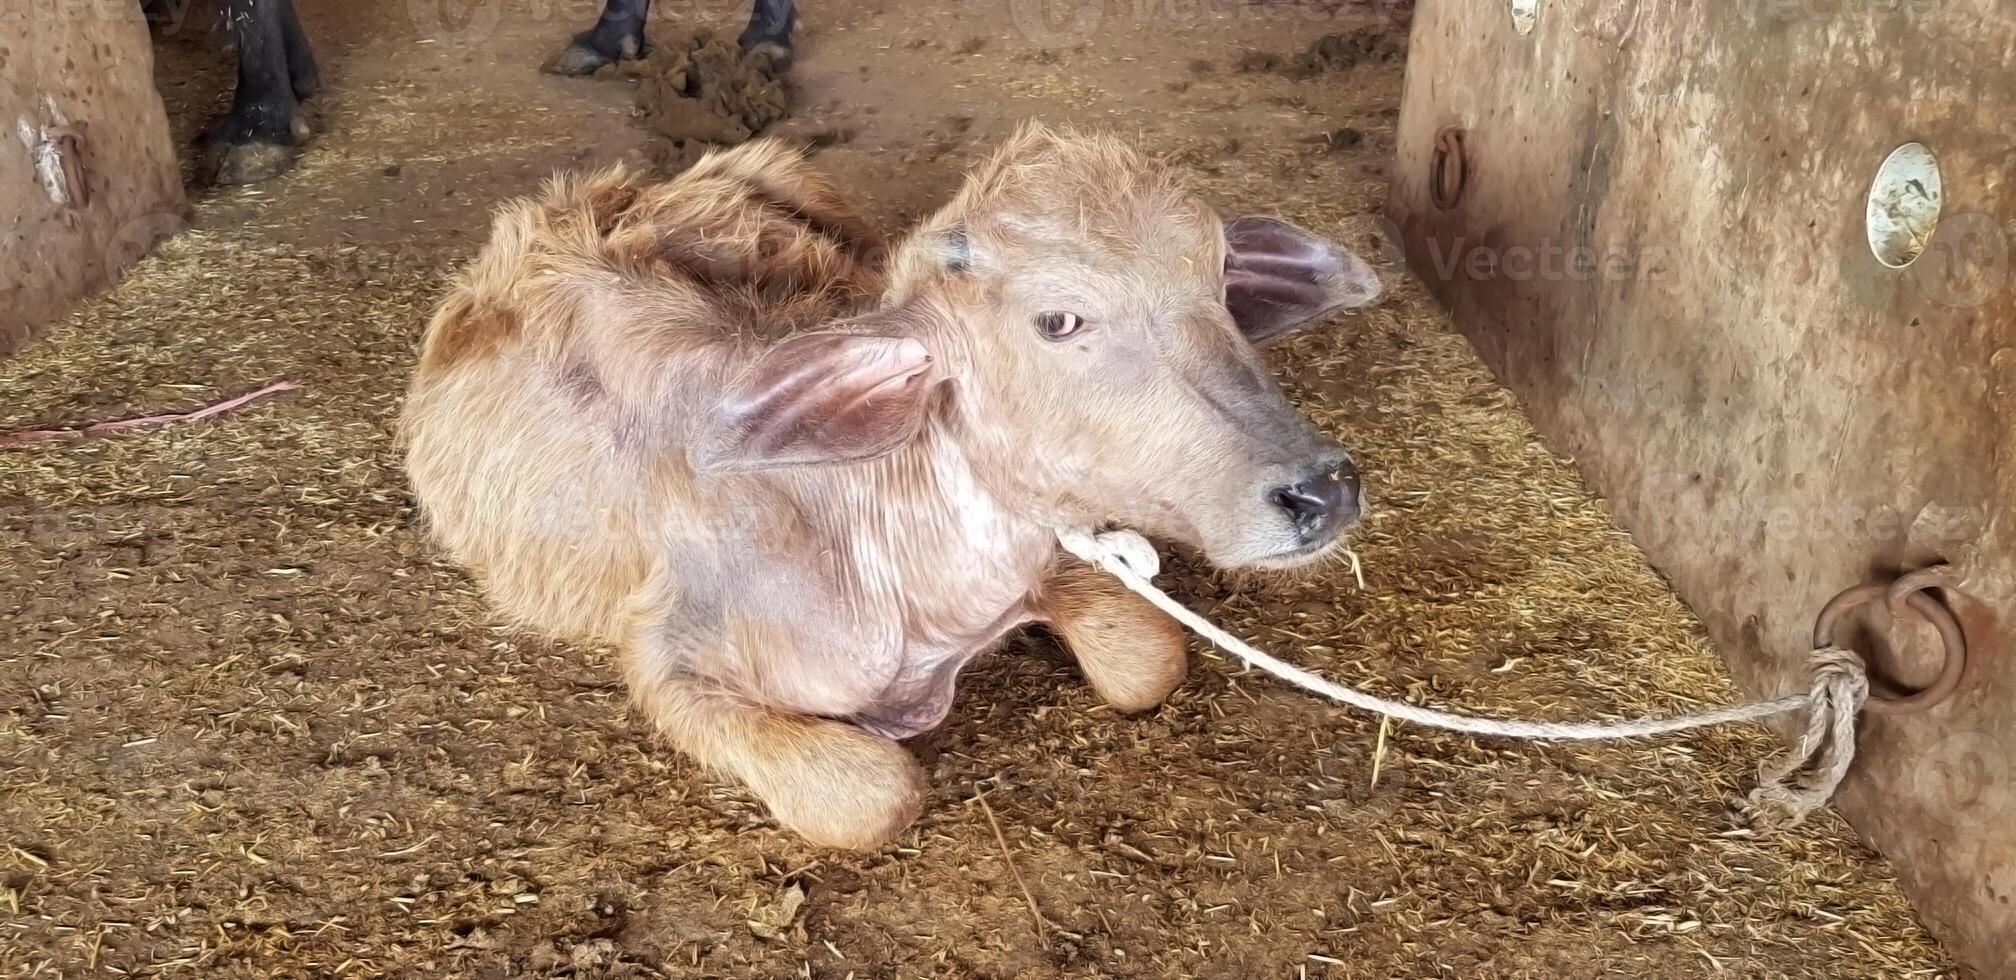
<point>251,726</point>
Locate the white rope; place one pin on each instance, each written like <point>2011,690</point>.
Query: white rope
<point>1791,785</point>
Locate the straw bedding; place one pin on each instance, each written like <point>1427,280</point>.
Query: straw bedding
<point>250,726</point>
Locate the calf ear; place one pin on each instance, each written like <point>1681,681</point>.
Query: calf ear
<point>1279,277</point>
<point>821,398</point>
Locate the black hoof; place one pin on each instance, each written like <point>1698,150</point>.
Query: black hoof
<point>771,23</point>
<point>778,53</point>
<point>588,54</point>
<point>235,151</point>
<point>576,60</point>
<point>245,163</point>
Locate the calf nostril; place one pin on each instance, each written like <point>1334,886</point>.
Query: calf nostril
<point>1311,503</point>
<point>1294,502</point>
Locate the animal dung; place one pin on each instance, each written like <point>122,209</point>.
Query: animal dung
<point>708,90</point>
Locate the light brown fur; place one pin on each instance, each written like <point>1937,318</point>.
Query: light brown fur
<point>612,416</point>
<point>1130,652</point>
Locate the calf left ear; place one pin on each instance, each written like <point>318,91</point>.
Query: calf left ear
<point>821,398</point>
<point>1279,277</point>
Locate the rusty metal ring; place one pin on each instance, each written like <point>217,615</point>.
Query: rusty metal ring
<point>1929,577</point>
<point>1447,168</point>
<point>1928,609</point>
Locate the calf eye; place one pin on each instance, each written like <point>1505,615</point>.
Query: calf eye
<point>1057,326</point>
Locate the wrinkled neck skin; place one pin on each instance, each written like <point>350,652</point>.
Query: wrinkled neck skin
<point>877,581</point>
<point>930,535</point>
<point>859,590</point>
<point>927,302</point>
<point>927,571</point>
<point>940,527</point>
<point>972,474</point>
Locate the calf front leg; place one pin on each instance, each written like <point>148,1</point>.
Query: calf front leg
<point>260,136</point>
<point>831,782</point>
<point>1130,652</point>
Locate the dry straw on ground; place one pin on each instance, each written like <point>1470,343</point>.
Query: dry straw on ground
<point>250,727</point>
<point>249,721</point>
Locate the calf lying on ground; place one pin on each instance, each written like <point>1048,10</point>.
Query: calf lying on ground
<point>802,487</point>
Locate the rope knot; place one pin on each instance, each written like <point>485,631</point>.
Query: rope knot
<point>1834,667</point>
<point>1115,551</point>
<point>1802,779</point>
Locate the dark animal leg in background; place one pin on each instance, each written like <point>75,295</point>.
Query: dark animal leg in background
<point>301,69</point>
<point>770,25</point>
<point>163,15</point>
<point>618,33</point>
<point>261,134</point>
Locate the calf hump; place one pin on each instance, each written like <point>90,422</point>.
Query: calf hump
<point>755,218</point>
<point>753,227</point>
<point>779,178</point>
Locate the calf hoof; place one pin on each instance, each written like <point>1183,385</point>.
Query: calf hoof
<point>858,792</point>
<point>587,54</point>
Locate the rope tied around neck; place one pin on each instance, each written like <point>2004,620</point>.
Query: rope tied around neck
<point>1791,785</point>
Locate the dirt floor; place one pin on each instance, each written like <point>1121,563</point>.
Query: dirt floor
<point>251,726</point>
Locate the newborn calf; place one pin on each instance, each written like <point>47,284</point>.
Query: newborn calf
<point>801,487</point>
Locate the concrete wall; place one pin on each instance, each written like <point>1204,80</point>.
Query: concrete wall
<point>1661,246</point>
<point>88,179</point>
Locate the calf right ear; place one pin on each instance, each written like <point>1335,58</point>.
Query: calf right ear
<point>821,398</point>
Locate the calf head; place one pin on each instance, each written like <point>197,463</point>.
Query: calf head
<point>1084,330</point>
